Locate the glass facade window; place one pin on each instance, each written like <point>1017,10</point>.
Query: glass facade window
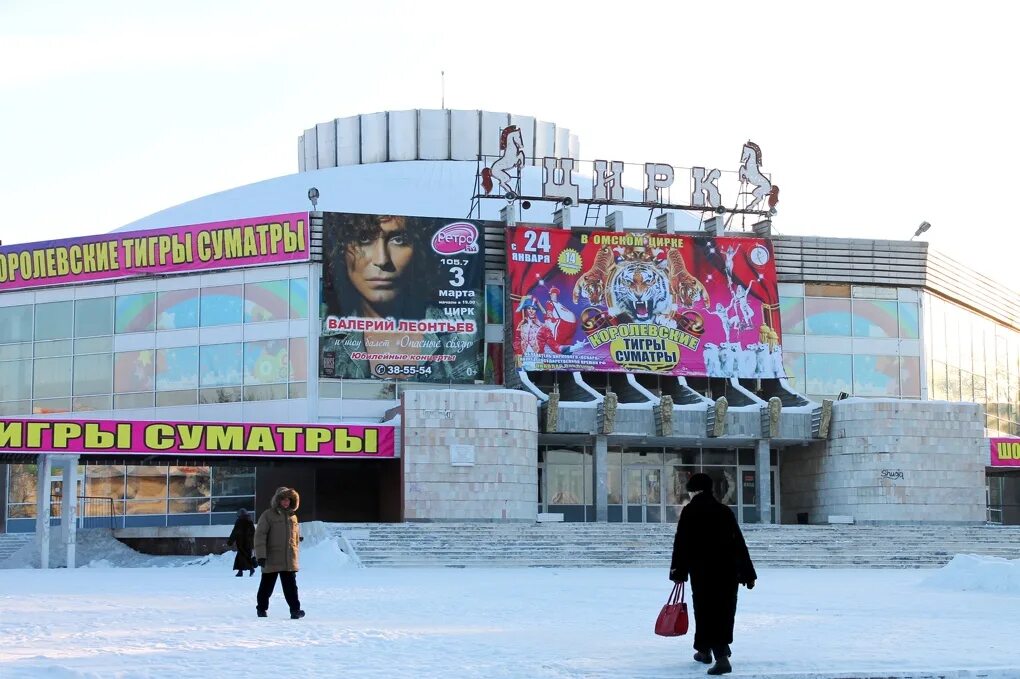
<point>15,324</point>
<point>221,305</point>
<point>494,304</point>
<point>266,301</point>
<point>134,371</point>
<point>876,375</point>
<point>910,376</point>
<point>135,313</point>
<point>791,313</point>
<point>177,309</point>
<point>874,318</point>
<point>93,317</point>
<point>93,345</point>
<point>828,374</point>
<point>15,380</point>
<point>53,320</point>
<point>220,365</point>
<point>827,317</point>
<point>184,397</point>
<point>220,395</point>
<point>57,357</point>
<point>826,290</point>
<point>794,364</point>
<point>266,362</point>
<point>176,368</point>
<point>909,322</point>
<point>298,359</point>
<point>971,358</point>
<point>10,352</point>
<point>93,374</point>
<point>52,377</point>
<point>54,348</point>
<point>299,298</point>
<point>193,482</point>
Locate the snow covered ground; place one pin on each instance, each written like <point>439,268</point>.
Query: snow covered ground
<point>167,618</point>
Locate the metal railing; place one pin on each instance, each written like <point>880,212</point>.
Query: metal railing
<point>93,512</point>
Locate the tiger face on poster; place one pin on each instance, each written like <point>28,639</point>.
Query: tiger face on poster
<point>644,302</point>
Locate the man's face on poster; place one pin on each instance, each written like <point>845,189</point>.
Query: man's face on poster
<point>377,262</point>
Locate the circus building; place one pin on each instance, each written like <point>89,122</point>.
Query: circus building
<point>449,315</point>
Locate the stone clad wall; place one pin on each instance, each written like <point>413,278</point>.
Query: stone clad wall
<point>891,461</point>
<point>499,426</point>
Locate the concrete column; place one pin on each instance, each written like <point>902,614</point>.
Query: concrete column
<point>69,509</point>
<point>42,510</point>
<point>314,330</point>
<point>762,467</point>
<point>600,479</point>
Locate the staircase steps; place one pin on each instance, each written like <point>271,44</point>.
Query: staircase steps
<point>12,542</point>
<point>650,545</point>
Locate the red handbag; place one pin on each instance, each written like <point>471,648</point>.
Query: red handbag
<point>672,620</point>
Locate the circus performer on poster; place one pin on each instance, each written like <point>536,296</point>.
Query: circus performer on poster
<point>729,322</point>
<point>561,320</point>
<point>532,336</point>
<point>731,253</point>
<point>746,312</point>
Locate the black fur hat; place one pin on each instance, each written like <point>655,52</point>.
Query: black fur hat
<point>699,482</point>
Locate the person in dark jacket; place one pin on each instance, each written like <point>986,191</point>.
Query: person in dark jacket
<point>243,536</point>
<point>277,538</point>
<point>710,548</point>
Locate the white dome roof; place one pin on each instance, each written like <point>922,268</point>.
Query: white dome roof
<point>415,188</point>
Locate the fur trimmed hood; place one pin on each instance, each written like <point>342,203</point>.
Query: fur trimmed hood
<point>282,492</point>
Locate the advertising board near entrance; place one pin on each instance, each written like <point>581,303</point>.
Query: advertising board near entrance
<point>401,298</point>
<point>225,439</point>
<point>277,239</point>
<point>648,302</point>
<point>1005,452</point>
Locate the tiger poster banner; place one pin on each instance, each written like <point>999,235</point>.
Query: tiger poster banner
<point>648,302</point>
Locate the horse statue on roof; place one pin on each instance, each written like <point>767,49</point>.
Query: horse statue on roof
<point>511,146</point>
<point>750,172</point>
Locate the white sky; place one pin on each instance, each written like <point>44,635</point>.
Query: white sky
<point>871,116</point>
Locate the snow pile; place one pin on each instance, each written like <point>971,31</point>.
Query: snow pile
<point>324,557</point>
<point>969,572</point>
<point>94,548</point>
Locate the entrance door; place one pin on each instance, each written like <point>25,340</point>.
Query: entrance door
<point>642,495</point>
<point>748,496</point>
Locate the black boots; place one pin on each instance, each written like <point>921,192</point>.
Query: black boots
<point>262,612</point>
<point>297,615</point>
<point>721,666</point>
<point>705,657</point>
<point>238,574</point>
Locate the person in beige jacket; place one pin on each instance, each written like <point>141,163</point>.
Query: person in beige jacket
<point>277,535</point>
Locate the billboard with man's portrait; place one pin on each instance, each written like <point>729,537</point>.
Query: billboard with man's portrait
<point>646,302</point>
<point>402,298</point>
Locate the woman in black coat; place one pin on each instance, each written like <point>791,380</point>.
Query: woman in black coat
<point>244,536</point>
<point>710,548</point>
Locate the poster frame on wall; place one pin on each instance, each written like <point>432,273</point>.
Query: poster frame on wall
<point>402,299</point>
<point>643,302</point>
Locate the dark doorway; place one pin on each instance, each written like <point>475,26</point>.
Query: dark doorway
<point>358,491</point>
<point>339,491</point>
